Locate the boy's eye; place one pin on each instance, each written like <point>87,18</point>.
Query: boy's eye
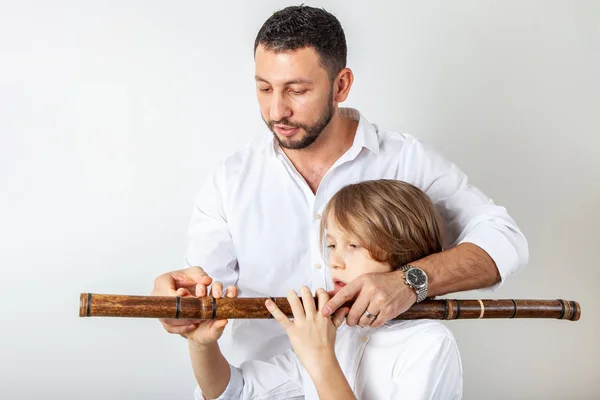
<point>354,246</point>
<point>331,246</point>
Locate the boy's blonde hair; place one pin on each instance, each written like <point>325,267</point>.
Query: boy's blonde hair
<point>392,219</point>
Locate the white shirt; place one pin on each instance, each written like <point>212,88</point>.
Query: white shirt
<point>406,360</point>
<point>256,221</point>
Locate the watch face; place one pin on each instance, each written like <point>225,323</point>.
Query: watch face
<point>416,277</point>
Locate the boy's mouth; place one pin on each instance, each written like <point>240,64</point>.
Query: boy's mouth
<point>338,285</point>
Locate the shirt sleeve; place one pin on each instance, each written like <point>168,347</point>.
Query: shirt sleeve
<point>468,214</point>
<point>428,369</point>
<point>277,379</point>
<point>210,245</point>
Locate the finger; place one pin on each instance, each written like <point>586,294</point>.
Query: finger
<point>183,292</point>
<point>172,323</point>
<point>232,291</point>
<point>308,302</point>
<point>338,317</point>
<point>322,298</point>
<point>278,314</point>
<point>295,305</point>
<point>347,293</point>
<point>200,290</point>
<point>168,283</point>
<point>195,274</point>
<point>365,321</point>
<point>357,310</point>
<point>379,321</point>
<point>164,285</point>
<point>185,281</point>
<point>180,329</point>
<point>217,290</point>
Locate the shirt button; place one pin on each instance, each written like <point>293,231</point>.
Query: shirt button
<point>317,216</point>
<point>318,266</point>
<point>364,339</point>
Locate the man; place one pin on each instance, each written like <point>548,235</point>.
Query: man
<point>256,221</point>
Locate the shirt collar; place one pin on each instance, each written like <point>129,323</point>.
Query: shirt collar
<point>366,134</point>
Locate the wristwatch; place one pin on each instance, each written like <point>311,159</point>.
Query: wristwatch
<point>416,278</point>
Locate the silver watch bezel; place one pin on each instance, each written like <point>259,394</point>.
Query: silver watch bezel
<point>413,285</point>
<point>421,290</point>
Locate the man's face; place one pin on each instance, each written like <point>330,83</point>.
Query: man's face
<point>295,95</point>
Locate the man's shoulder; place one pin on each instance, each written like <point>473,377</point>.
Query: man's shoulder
<point>395,141</point>
<point>252,152</point>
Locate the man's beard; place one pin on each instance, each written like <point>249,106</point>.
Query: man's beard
<point>312,131</point>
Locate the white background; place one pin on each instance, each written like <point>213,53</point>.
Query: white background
<point>112,113</point>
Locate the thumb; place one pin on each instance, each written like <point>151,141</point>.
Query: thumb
<point>338,317</point>
<point>218,327</point>
<point>220,323</point>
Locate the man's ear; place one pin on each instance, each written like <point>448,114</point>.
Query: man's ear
<point>343,84</point>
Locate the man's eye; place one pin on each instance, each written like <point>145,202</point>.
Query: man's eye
<point>264,90</point>
<point>298,93</point>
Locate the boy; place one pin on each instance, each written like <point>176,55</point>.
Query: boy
<point>368,227</point>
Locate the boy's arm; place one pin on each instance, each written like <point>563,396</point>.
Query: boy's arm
<point>313,338</point>
<point>330,380</point>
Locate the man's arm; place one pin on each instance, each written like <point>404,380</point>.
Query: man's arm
<point>471,268</point>
<point>210,251</point>
<point>468,216</point>
<point>463,267</point>
<point>211,369</point>
<point>484,244</point>
<point>210,245</point>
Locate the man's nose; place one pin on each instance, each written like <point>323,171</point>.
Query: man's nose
<point>279,108</point>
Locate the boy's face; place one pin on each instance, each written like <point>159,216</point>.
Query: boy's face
<point>295,95</point>
<point>347,258</point>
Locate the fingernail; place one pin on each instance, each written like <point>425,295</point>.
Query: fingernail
<point>327,310</point>
<point>269,304</point>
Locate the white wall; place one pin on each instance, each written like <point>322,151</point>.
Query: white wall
<point>112,113</point>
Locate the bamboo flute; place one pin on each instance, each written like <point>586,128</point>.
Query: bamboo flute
<point>114,305</point>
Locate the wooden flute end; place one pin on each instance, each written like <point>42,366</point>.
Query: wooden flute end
<point>84,303</point>
<point>573,310</point>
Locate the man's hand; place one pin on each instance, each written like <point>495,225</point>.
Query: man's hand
<point>385,295</point>
<point>184,283</point>
<point>208,332</point>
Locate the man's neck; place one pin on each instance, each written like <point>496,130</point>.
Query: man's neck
<point>314,161</point>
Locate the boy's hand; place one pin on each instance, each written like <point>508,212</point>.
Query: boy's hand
<point>209,331</point>
<point>311,334</point>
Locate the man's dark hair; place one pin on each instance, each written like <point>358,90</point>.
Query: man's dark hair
<point>302,26</point>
